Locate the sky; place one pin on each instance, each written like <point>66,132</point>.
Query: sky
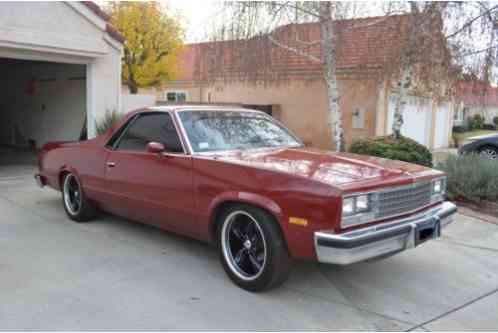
<point>197,16</point>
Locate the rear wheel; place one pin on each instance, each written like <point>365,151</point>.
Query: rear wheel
<point>252,248</point>
<point>76,204</point>
<point>489,152</point>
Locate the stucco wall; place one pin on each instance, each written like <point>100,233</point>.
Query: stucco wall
<point>133,102</point>
<point>104,84</point>
<point>195,92</point>
<point>303,105</point>
<point>53,108</point>
<point>48,25</point>
<point>488,112</point>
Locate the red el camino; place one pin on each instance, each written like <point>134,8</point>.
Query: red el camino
<point>239,179</point>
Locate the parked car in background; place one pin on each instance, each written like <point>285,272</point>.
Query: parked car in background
<point>486,146</point>
<point>240,180</point>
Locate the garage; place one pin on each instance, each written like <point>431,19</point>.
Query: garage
<point>37,98</point>
<point>417,114</point>
<point>60,65</point>
<point>423,122</point>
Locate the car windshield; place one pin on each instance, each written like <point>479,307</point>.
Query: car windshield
<point>210,131</point>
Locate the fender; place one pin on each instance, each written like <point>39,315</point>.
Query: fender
<point>247,198</point>
<point>65,168</point>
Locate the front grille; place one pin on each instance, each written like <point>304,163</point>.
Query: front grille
<point>403,200</point>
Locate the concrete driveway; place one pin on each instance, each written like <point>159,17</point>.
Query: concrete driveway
<point>113,274</point>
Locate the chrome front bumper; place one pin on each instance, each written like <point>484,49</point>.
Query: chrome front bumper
<point>383,239</point>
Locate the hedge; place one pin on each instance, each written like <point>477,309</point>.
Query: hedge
<point>402,149</point>
<point>471,178</point>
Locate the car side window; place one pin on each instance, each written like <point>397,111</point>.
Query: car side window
<point>158,127</point>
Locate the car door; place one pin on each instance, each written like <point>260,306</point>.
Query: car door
<point>148,187</point>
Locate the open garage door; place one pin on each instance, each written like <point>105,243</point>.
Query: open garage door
<point>41,101</point>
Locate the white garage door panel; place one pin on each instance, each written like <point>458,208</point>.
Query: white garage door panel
<point>416,116</point>
<point>442,124</point>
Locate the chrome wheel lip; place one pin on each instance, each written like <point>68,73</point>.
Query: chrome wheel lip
<point>227,252</point>
<point>489,153</point>
<point>71,198</point>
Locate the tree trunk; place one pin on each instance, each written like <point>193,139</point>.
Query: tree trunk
<point>133,88</point>
<point>329,52</point>
<point>404,84</point>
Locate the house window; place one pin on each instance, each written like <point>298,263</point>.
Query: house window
<point>176,96</point>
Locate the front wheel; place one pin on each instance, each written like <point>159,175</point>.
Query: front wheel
<point>252,248</point>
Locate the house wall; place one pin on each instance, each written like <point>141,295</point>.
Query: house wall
<point>52,107</point>
<point>303,108</point>
<point>303,105</point>
<point>195,92</point>
<point>137,101</point>
<point>489,112</point>
<point>103,86</point>
<point>48,25</point>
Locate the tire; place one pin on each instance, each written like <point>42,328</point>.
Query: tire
<point>489,152</point>
<point>77,206</point>
<point>252,248</point>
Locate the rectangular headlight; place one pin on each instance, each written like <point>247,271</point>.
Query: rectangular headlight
<point>438,189</point>
<point>348,206</point>
<point>439,186</point>
<point>362,203</point>
<point>357,209</point>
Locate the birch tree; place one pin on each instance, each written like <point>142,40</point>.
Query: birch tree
<point>443,42</point>
<point>423,56</point>
<point>254,27</point>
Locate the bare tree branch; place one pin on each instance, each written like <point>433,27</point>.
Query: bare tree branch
<point>294,50</point>
<point>472,21</point>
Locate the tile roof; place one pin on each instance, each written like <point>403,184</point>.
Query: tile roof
<point>476,93</point>
<point>366,43</point>
<point>100,13</point>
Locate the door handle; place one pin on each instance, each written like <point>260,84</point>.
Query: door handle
<point>111,164</point>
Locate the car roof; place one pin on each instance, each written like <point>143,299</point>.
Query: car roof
<point>197,107</point>
<point>189,107</point>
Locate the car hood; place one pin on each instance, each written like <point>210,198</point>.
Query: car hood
<point>339,169</point>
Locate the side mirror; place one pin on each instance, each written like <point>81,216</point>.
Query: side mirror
<point>155,148</point>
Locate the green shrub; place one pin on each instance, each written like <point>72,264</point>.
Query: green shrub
<point>475,122</point>
<point>402,149</point>
<point>495,120</point>
<point>110,119</point>
<point>489,127</point>
<point>471,178</point>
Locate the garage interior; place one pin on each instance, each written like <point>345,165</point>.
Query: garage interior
<point>37,98</point>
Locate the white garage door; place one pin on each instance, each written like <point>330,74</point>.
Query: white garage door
<point>417,120</point>
<point>442,123</point>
